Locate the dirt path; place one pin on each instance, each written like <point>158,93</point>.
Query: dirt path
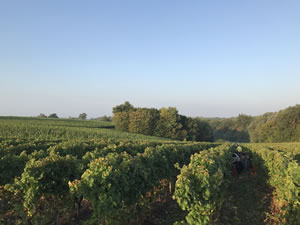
<point>165,213</point>
<point>248,199</point>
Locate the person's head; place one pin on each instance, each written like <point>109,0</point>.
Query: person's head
<point>239,149</point>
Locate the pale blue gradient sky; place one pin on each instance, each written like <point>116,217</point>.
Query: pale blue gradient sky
<point>207,58</point>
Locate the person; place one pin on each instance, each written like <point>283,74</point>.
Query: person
<point>235,157</point>
<point>245,161</point>
<point>242,162</point>
<point>237,165</point>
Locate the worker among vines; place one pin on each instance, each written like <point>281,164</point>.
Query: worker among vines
<point>241,161</point>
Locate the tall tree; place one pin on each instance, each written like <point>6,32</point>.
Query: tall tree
<point>169,124</point>
<point>126,107</point>
<point>121,120</point>
<point>143,120</point>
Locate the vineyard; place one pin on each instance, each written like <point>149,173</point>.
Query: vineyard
<point>55,171</point>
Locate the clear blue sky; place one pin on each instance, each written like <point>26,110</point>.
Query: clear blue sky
<point>207,58</point>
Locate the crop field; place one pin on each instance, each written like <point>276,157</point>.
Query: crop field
<point>61,171</point>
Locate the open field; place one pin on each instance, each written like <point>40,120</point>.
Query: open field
<point>32,128</point>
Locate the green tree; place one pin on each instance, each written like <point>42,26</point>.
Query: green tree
<point>82,116</point>
<point>199,130</point>
<point>282,127</point>
<point>242,122</point>
<point>169,124</point>
<point>53,115</point>
<point>121,116</point>
<point>165,122</point>
<point>255,128</point>
<point>42,115</point>
<point>143,121</point>
<point>121,120</point>
<point>232,129</point>
<point>126,107</point>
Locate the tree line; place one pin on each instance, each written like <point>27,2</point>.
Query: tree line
<point>164,122</point>
<point>82,116</point>
<point>282,126</point>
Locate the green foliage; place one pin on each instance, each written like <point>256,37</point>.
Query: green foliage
<point>284,176</point>
<point>103,118</point>
<point>53,115</point>
<point>48,166</point>
<point>33,128</point>
<point>232,129</point>
<point>199,130</point>
<point>126,107</point>
<point>169,124</point>
<point>255,128</point>
<point>11,166</point>
<point>82,116</point>
<point>283,126</point>
<point>42,115</point>
<point>201,183</point>
<point>143,121</point>
<point>165,122</point>
<point>121,121</point>
<point>43,187</point>
<point>117,184</point>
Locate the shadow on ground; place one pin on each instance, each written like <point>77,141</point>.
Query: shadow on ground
<point>248,197</point>
<point>166,212</point>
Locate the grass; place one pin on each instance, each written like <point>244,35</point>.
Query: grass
<point>248,199</point>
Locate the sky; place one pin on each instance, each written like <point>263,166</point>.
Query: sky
<point>206,58</point>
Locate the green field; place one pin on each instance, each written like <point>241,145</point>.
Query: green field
<point>63,171</point>
<point>61,129</point>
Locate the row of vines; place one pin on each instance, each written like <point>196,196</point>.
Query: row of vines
<point>50,172</point>
<point>42,182</point>
<point>283,173</point>
<point>201,184</point>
